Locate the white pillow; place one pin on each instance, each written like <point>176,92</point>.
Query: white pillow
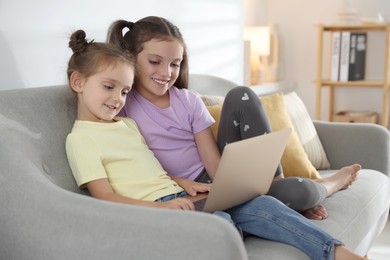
<point>306,131</point>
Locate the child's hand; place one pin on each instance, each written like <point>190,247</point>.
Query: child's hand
<point>179,203</point>
<point>194,187</point>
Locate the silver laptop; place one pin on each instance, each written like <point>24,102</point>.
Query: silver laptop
<point>245,171</point>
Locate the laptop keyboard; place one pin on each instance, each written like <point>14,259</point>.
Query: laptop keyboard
<point>199,205</point>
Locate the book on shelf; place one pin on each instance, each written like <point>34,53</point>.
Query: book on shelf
<point>357,57</point>
<point>348,56</point>
<point>335,59</point>
<point>344,55</point>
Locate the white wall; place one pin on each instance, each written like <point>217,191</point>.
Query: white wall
<point>296,20</point>
<point>34,34</point>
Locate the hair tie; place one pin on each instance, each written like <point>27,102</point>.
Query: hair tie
<point>130,25</point>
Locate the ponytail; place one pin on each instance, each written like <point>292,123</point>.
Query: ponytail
<point>115,34</point>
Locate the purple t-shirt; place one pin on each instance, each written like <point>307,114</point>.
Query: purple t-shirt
<point>169,132</point>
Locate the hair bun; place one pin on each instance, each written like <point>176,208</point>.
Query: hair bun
<point>78,42</point>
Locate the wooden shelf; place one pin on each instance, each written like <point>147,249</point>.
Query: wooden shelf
<point>383,83</point>
<point>360,83</point>
<point>355,28</point>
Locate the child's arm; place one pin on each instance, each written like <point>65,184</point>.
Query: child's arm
<point>101,189</point>
<point>208,150</point>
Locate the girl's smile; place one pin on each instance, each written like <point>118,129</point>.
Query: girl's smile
<point>161,82</point>
<point>112,107</point>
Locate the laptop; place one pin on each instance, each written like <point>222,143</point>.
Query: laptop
<point>246,171</point>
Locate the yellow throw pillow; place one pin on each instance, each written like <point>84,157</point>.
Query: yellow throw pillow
<point>214,105</point>
<point>294,160</point>
<point>215,112</point>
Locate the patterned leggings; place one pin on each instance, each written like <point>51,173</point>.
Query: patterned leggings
<point>243,117</point>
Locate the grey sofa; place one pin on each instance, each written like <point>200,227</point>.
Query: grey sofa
<point>43,215</point>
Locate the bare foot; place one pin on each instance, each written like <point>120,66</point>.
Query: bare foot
<point>341,252</point>
<point>318,213</point>
<point>342,179</point>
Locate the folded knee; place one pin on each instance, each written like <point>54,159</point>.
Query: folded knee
<point>242,92</point>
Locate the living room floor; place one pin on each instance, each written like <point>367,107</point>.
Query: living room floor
<point>381,248</point>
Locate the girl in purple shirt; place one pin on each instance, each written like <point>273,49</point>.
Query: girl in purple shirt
<point>176,123</point>
<point>176,126</point>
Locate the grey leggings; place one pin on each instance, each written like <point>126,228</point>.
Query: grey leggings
<point>243,117</point>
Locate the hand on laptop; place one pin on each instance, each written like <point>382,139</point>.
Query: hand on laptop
<point>179,203</point>
<point>192,187</point>
<point>197,187</point>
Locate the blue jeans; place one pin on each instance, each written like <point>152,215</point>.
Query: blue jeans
<point>268,218</point>
<point>172,196</point>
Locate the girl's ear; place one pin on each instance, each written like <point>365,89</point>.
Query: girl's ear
<point>76,81</point>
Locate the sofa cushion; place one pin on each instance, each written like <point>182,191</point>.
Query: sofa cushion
<point>294,160</point>
<point>214,105</point>
<point>212,100</point>
<point>215,112</point>
<point>304,127</point>
<point>354,214</point>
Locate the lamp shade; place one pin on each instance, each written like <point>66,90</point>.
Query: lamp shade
<point>259,37</point>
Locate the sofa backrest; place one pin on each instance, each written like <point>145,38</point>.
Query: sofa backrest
<point>210,85</point>
<point>35,122</point>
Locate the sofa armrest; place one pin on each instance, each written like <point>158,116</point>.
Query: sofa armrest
<point>39,220</point>
<point>346,143</point>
